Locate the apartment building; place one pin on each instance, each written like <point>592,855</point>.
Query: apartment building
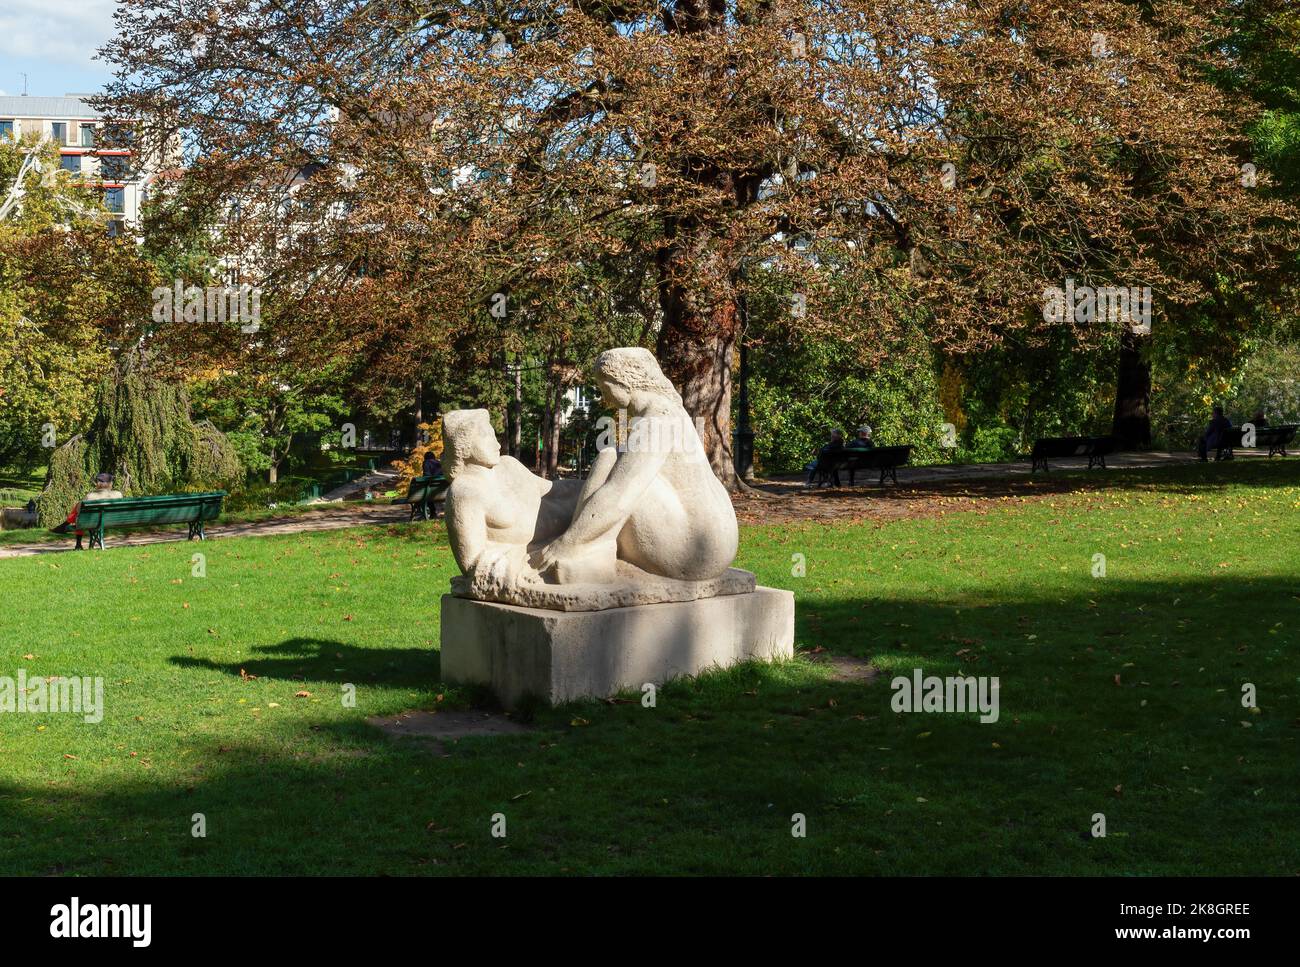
<point>89,147</point>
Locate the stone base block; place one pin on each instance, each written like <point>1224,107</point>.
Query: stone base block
<point>559,656</point>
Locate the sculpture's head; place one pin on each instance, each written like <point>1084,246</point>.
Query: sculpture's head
<point>622,372</point>
<point>468,437</point>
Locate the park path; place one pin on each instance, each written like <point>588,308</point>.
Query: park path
<point>867,499</point>
<point>313,521</point>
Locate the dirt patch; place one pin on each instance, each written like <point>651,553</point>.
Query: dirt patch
<point>437,727</point>
<point>847,668</point>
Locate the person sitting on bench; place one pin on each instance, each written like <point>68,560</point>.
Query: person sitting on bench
<point>826,455</point>
<point>1214,434</point>
<point>862,441</point>
<point>1259,419</point>
<point>432,465</point>
<point>103,491</point>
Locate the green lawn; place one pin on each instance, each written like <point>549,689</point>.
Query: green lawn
<point>1119,695</point>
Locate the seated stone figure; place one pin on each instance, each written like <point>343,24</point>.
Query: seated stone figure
<point>654,501</point>
<point>650,524</point>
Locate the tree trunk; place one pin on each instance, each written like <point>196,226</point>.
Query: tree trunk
<point>554,400</point>
<point>695,347</point>
<point>516,413</point>
<point>1132,423</point>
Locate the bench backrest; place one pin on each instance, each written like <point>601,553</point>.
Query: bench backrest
<point>423,488</point>
<point>878,457</point>
<point>1063,446</point>
<point>1269,436</point>
<point>143,511</point>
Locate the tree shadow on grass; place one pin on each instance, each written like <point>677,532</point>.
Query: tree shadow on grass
<point>1120,698</point>
<point>320,659</point>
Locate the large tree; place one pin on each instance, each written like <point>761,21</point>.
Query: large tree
<point>963,156</point>
<point>68,296</point>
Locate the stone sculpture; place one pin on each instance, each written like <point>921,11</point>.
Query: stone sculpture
<point>650,524</point>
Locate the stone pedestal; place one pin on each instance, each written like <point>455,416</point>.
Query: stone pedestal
<point>559,656</point>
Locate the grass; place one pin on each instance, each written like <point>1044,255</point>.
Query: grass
<point>1119,695</point>
<point>18,487</point>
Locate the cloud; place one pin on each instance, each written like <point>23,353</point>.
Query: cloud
<point>60,31</point>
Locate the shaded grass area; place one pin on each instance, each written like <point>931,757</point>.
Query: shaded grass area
<point>1120,695</point>
<point>18,487</point>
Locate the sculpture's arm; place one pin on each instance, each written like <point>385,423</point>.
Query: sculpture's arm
<point>614,501</point>
<point>467,527</point>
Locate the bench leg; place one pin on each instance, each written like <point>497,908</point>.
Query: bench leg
<point>893,474</point>
<point>97,539</point>
<point>196,530</point>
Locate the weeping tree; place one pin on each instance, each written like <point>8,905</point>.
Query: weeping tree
<point>143,435</point>
<point>967,155</point>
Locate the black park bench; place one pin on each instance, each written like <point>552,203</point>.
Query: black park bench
<point>1275,438</point>
<point>421,495</point>
<point>124,513</point>
<point>1095,448</point>
<point>885,459</point>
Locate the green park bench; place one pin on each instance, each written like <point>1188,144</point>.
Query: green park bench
<point>96,516</point>
<point>421,495</point>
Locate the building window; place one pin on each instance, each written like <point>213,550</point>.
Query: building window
<point>71,162</point>
<point>115,227</point>
<point>6,130</point>
<point>115,200</point>
<point>87,135</point>
<point>59,131</point>
<point>112,168</point>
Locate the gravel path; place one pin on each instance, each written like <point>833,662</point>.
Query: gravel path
<point>319,521</point>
